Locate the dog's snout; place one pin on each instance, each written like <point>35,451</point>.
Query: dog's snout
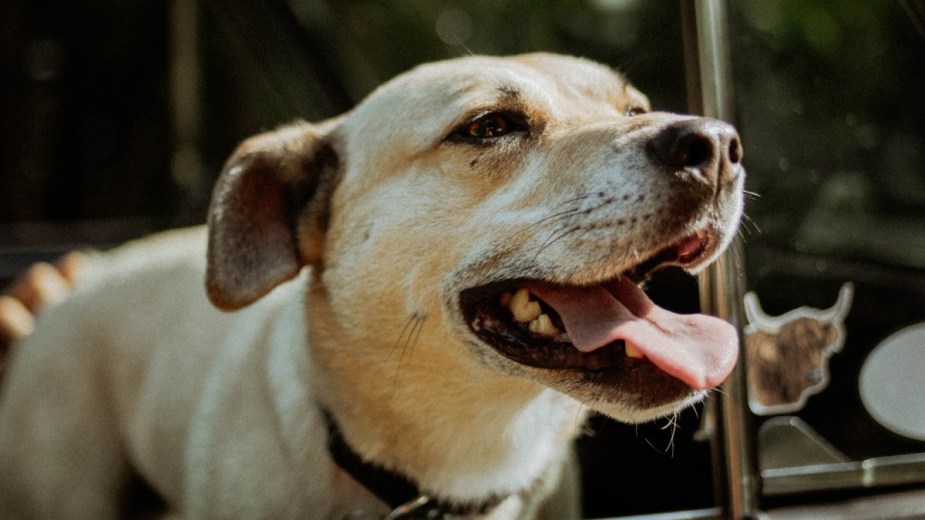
<point>709,147</point>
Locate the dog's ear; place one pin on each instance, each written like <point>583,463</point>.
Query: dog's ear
<point>269,213</point>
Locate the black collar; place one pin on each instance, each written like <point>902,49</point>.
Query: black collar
<point>401,494</point>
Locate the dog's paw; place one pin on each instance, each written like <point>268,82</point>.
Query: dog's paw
<point>40,286</point>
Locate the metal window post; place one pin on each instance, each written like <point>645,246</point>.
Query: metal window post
<point>722,285</point>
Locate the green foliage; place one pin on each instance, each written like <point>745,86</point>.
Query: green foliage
<point>826,96</point>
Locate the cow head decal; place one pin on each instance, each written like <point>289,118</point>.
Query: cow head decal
<point>787,355</point>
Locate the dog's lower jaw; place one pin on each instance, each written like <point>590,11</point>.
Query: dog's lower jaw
<point>632,392</point>
<point>630,401</point>
<point>633,415</point>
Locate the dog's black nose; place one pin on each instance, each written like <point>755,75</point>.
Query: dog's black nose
<point>708,147</point>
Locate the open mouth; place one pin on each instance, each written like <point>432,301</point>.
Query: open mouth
<point>611,326</point>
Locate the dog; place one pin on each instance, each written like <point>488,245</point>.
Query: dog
<point>430,293</point>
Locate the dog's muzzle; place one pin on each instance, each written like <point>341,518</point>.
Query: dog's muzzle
<point>608,331</point>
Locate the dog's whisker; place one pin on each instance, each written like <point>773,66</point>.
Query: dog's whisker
<point>412,338</point>
<point>579,198</point>
<point>409,326</point>
<point>647,441</point>
<point>563,214</point>
<point>577,210</point>
<point>671,421</point>
<point>415,336</point>
<point>673,424</point>
<point>407,340</point>
<point>747,221</point>
<point>560,233</point>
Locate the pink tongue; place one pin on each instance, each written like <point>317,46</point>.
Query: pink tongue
<point>699,350</point>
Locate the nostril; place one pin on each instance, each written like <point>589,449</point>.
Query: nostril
<point>735,151</point>
<point>692,150</point>
<point>686,144</point>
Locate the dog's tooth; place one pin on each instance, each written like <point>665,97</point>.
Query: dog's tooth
<point>523,309</point>
<point>543,325</point>
<point>632,351</point>
<point>518,302</point>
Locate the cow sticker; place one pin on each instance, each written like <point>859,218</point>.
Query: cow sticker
<point>787,356</point>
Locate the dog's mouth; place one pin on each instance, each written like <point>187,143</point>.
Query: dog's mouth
<point>609,328</point>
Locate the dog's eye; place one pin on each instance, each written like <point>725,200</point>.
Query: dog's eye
<point>635,111</point>
<point>491,126</point>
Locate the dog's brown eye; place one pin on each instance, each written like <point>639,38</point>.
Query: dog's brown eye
<point>486,127</point>
<point>491,126</point>
<point>635,111</point>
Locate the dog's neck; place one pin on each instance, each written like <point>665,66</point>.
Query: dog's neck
<point>404,497</point>
<point>465,451</point>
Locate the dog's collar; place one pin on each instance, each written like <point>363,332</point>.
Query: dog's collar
<point>398,491</point>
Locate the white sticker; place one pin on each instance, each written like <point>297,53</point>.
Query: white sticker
<point>892,382</point>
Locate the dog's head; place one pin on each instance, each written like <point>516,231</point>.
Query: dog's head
<point>497,214</point>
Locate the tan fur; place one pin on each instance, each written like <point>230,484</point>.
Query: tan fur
<point>378,220</point>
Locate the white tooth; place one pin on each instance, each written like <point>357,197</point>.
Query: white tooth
<point>522,308</point>
<point>543,325</point>
<point>632,351</point>
<point>516,299</point>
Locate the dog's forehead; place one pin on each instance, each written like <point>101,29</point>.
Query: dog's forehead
<point>577,78</point>
<point>557,85</point>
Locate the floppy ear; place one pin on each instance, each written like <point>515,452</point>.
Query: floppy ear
<point>269,213</point>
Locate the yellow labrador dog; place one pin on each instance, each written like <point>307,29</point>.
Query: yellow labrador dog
<point>431,291</point>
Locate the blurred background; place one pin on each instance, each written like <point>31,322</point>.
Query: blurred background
<point>116,117</point>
